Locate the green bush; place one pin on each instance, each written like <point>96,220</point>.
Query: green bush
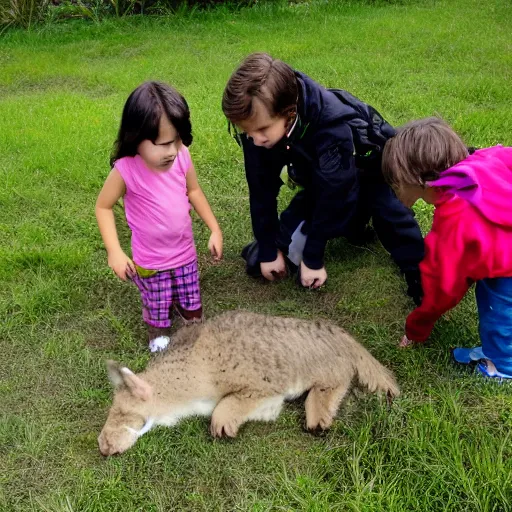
<point>26,13</point>
<point>22,13</point>
<point>67,9</point>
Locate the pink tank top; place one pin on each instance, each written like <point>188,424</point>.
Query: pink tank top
<point>158,212</point>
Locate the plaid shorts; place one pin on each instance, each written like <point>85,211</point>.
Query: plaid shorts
<point>167,288</point>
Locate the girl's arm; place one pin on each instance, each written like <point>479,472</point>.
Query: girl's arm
<point>113,189</point>
<point>438,299</point>
<point>202,207</point>
<point>445,275</point>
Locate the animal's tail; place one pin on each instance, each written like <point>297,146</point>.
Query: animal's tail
<point>374,375</point>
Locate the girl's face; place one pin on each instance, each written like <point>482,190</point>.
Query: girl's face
<point>160,155</point>
<point>409,194</point>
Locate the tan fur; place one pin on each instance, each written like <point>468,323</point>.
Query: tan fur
<point>237,367</point>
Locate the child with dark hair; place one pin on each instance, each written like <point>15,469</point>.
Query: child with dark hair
<point>328,145</point>
<point>471,236</point>
<point>153,172</point>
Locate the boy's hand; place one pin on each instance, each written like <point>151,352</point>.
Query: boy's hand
<point>215,245</point>
<point>312,278</point>
<point>123,266</point>
<point>276,269</point>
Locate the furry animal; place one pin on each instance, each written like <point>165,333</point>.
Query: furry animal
<point>237,367</point>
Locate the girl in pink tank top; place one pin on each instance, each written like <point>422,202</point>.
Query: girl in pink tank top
<point>153,172</point>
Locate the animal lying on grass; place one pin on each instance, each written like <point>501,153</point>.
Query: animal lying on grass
<point>237,367</point>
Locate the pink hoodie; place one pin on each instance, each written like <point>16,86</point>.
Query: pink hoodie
<point>471,236</point>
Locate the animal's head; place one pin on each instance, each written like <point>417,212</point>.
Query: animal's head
<point>126,416</point>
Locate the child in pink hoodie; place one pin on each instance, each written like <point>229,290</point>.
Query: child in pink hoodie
<point>471,236</point>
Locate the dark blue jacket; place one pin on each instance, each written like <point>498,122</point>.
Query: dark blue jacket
<point>320,155</point>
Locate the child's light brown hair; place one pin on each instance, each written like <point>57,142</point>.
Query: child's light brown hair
<point>260,76</point>
<point>420,151</point>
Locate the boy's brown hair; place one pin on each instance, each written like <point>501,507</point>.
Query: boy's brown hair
<point>420,151</point>
<point>260,76</point>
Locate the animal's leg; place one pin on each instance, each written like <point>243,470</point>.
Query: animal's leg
<point>322,404</point>
<point>235,409</point>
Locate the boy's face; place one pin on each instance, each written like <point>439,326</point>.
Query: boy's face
<point>264,129</point>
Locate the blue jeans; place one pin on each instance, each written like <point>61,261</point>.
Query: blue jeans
<point>494,301</point>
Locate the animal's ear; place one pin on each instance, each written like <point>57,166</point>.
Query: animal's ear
<point>114,373</point>
<point>122,376</point>
<point>138,387</point>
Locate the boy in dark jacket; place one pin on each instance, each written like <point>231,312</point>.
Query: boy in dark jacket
<point>328,144</point>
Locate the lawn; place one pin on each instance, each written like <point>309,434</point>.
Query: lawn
<point>444,444</point>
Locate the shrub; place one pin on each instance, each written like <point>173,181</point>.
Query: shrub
<point>22,13</point>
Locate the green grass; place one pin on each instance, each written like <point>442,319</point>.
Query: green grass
<point>444,445</point>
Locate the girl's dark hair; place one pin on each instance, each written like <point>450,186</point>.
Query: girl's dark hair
<point>260,76</point>
<point>141,117</point>
<point>420,151</point>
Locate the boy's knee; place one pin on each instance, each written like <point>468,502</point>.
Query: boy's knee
<point>250,255</point>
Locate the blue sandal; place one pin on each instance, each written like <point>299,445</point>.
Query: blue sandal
<point>486,368</point>
<point>475,356</point>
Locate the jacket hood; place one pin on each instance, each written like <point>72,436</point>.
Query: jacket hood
<point>483,179</point>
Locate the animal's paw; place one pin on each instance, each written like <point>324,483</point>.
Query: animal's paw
<point>224,428</point>
<point>319,424</point>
